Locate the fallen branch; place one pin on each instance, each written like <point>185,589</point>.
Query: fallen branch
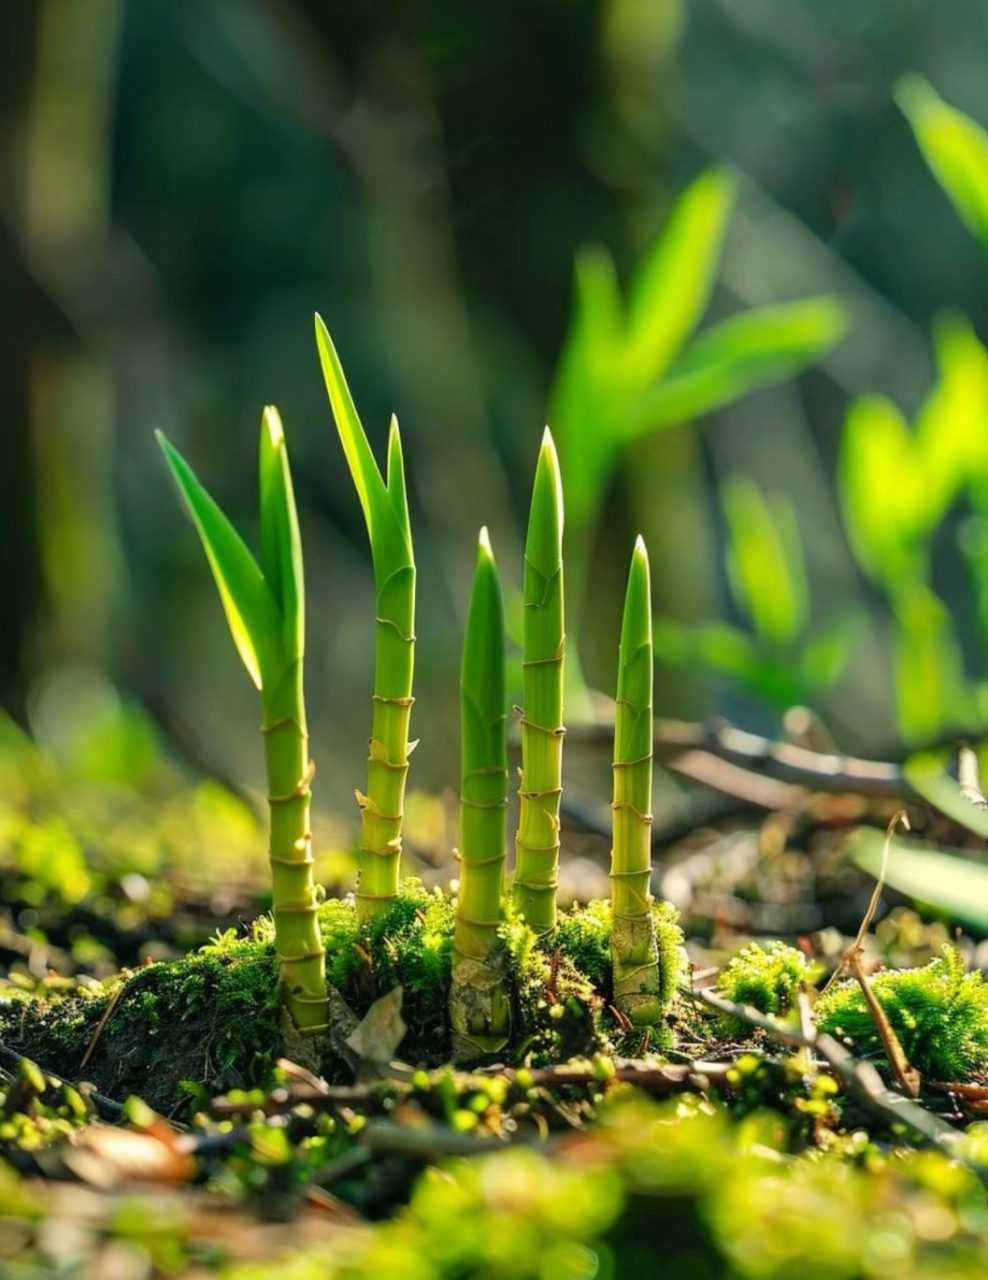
<point>658,1079</point>
<point>860,1078</point>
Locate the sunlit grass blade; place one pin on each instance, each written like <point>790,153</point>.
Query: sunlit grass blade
<point>543,656</point>
<point>479,1004</point>
<point>385,507</point>
<point>731,359</point>
<point>634,949</point>
<point>955,148</point>
<point>266,610</point>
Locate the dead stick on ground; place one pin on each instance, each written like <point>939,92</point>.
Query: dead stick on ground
<point>102,1024</point>
<point>853,959</point>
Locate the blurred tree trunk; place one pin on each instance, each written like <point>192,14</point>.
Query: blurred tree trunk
<point>20,579</point>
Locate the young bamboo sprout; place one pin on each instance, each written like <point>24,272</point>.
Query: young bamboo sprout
<point>265,609</point>
<point>385,509</point>
<point>634,952</point>
<point>478,1003</point>
<point>543,649</point>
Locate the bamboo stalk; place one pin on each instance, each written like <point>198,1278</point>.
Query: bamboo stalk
<point>544,646</point>
<point>385,506</point>
<point>634,950</point>
<point>265,609</point>
<point>478,1004</point>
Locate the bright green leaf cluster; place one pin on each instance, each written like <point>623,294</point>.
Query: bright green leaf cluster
<point>629,368</point>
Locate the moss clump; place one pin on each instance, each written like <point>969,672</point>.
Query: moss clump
<point>212,1021</point>
<point>584,935</point>
<point>766,976</point>
<point>212,1017</point>
<point>939,1013</point>
<point>409,945</point>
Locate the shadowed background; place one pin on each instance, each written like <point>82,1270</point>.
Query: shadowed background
<point>184,182</point>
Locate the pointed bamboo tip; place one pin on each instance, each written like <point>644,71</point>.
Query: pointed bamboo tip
<point>484,549</point>
<point>323,341</point>
<point>641,551</point>
<point>394,435</point>
<point>274,426</point>
<point>548,463</point>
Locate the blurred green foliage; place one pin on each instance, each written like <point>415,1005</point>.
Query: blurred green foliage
<point>780,660</point>
<point>630,368</point>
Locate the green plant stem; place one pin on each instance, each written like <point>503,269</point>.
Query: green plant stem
<point>543,656</point>
<point>382,808</point>
<point>385,505</point>
<point>634,950</point>
<point>297,939</point>
<point>265,608</point>
<point>479,1005</point>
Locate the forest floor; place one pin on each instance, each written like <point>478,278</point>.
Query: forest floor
<point>735,1147</point>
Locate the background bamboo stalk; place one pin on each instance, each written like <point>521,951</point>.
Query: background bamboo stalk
<point>544,644</point>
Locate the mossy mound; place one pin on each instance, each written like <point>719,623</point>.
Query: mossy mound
<point>939,1013</point>
<point>212,1021</point>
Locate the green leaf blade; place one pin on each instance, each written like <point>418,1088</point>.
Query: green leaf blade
<point>672,287</point>
<point>738,356</point>
<point>281,541</point>
<point>955,148</point>
<point>251,611</point>
<point>390,541</point>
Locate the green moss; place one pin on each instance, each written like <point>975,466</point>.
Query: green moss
<point>212,1020</point>
<point>766,976</point>
<point>584,935</point>
<point>939,1012</point>
<point>409,946</point>
<point>210,1017</point>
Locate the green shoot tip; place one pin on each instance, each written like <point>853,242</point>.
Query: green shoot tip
<point>273,423</point>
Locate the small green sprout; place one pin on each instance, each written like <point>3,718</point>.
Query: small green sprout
<point>543,656</point>
<point>634,950</point>
<point>265,608</point>
<point>479,1007</point>
<point>385,506</point>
